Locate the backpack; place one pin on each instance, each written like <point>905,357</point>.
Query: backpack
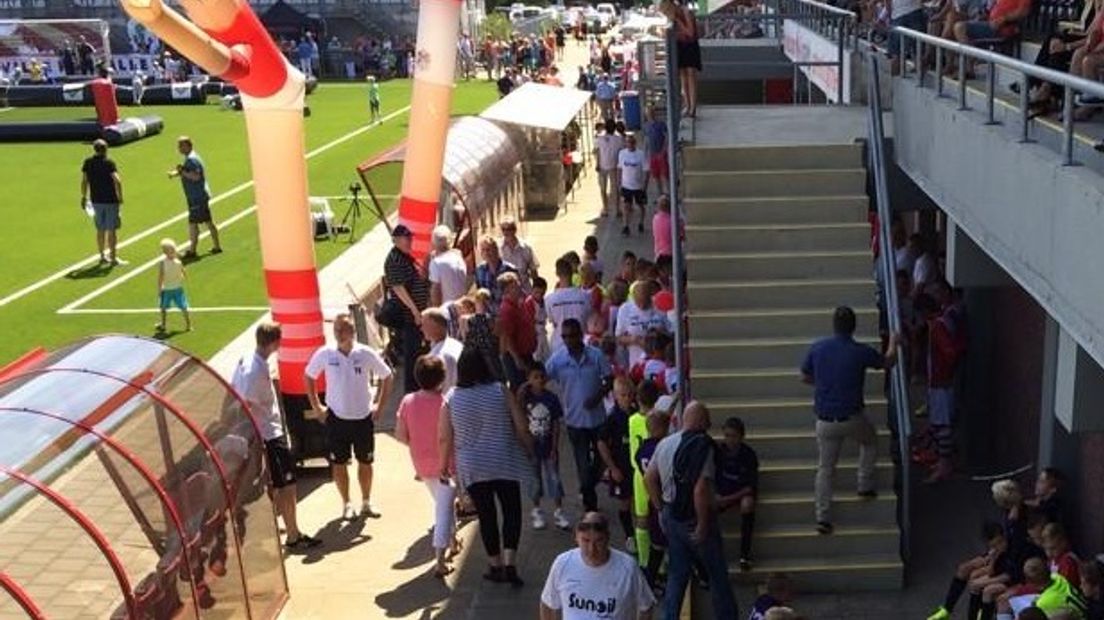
<point>693,452</point>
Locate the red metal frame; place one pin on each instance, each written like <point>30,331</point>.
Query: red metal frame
<point>20,595</point>
<point>202,439</point>
<point>144,471</point>
<point>23,363</point>
<point>89,528</point>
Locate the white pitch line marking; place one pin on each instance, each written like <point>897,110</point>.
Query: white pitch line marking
<point>92,259</point>
<point>204,309</point>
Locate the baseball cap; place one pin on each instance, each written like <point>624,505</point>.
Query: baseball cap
<point>401,231</point>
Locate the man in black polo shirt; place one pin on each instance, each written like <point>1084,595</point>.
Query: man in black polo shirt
<point>100,177</point>
<point>407,281</point>
<point>836,366</point>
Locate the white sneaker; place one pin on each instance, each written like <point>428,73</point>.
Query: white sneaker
<point>538,519</point>
<point>561,519</point>
<point>630,545</point>
<point>367,512</point>
<point>349,513</point>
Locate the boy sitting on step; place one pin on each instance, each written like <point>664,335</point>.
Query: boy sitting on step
<point>738,482</point>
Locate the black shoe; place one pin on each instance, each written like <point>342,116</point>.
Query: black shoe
<point>640,227</point>
<point>303,542</point>
<point>495,574</point>
<point>745,564</point>
<point>625,231</point>
<point>511,577</point>
<point>871,494</point>
<point>824,527</point>
<point>216,250</point>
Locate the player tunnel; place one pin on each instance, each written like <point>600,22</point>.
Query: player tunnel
<point>132,485</point>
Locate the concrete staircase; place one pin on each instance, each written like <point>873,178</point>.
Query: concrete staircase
<point>776,238</point>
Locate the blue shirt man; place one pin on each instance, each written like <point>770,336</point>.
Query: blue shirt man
<point>837,366</point>
<point>605,90</point>
<point>583,376</point>
<point>193,178</point>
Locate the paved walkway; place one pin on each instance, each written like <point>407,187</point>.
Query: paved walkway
<point>380,568</point>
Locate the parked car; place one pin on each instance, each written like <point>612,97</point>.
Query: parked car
<point>607,13</point>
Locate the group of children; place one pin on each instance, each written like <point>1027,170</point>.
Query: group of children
<point>1028,567</point>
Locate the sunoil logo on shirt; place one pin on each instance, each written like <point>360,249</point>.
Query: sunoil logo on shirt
<point>604,608</point>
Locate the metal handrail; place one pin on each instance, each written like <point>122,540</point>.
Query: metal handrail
<point>678,258</point>
<point>899,404</point>
<point>1070,83</point>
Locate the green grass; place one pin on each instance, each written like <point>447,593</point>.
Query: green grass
<point>46,231</point>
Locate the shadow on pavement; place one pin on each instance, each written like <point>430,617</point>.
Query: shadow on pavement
<point>337,536</point>
<point>420,552</point>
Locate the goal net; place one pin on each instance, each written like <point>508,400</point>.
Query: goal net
<point>57,47</point>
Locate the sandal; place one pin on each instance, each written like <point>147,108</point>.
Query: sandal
<point>440,572</point>
<point>495,574</point>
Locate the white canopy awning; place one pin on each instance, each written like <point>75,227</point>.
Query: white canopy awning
<point>539,105</point>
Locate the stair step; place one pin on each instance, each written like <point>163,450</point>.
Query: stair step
<point>707,266</point>
<point>799,442</point>
<point>797,475</point>
<point>757,183</point>
<point>764,383</point>
<point>749,353</point>
<point>809,323</point>
<point>777,210</point>
<point>826,573</point>
<point>784,413</point>
<point>757,294</point>
<point>778,237</point>
<point>801,541</point>
<point>798,510</point>
<point>772,157</point>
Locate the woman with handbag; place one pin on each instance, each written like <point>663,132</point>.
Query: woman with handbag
<point>482,424</point>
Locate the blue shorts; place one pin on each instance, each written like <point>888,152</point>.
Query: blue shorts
<point>106,216</point>
<point>981,30</point>
<point>174,297</point>
<point>916,20</point>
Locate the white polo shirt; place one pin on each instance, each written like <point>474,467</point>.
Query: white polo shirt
<point>348,388</point>
<point>253,382</point>
<point>448,351</point>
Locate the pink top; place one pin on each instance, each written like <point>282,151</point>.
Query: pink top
<point>661,233</point>
<point>418,413</point>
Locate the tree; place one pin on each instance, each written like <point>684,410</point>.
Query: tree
<point>498,27</point>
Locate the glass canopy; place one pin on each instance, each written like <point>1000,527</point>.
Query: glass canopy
<point>132,485</point>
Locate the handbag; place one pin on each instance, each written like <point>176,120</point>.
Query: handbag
<point>390,313</point>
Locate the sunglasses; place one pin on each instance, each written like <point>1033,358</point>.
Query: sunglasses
<point>598,528</point>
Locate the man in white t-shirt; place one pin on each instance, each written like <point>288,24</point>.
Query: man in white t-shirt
<point>608,145</point>
<point>252,381</point>
<point>633,171</point>
<point>517,252</point>
<point>566,302</point>
<point>636,318</point>
<point>594,581</point>
<point>350,411</point>
<point>448,273</point>
<point>435,329</point>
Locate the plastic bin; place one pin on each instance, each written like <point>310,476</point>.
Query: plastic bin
<point>630,107</point>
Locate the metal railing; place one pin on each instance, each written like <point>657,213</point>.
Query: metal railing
<point>899,406</point>
<point>678,258</point>
<point>830,22</point>
<point>919,43</point>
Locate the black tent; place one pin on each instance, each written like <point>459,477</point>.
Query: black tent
<point>283,20</point>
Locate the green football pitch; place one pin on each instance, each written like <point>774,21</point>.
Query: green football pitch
<point>52,291</point>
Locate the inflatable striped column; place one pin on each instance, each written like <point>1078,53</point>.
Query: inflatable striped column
<point>430,104</point>
<point>229,41</point>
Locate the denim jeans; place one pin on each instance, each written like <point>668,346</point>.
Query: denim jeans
<point>680,561</point>
<point>584,446</point>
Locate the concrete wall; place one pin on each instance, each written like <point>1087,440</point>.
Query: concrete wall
<point>1040,221</point>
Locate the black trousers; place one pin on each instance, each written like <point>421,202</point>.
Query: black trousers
<point>508,496</point>
<point>411,349</point>
<point>1059,62</point>
<point>588,463</point>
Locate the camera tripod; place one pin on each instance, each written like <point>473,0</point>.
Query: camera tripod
<point>352,213</point>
